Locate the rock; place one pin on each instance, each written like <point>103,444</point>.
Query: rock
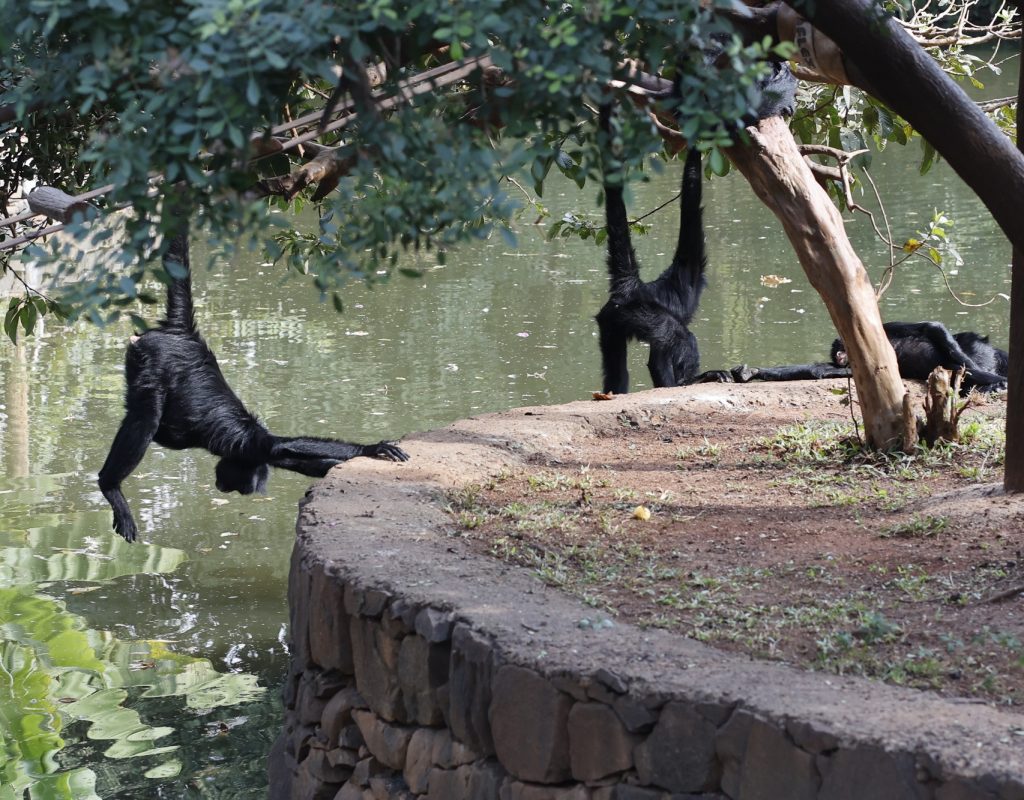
<point>375,659</point>
<point>365,770</point>
<point>516,790</point>
<point>636,716</point>
<point>774,768</point>
<point>337,714</point>
<point>855,773</point>
<point>387,742</point>
<point>529,722</point>
<point>419,759</point>
<point>422,670</point>
<point>469,689</point>
<point>330,644</point>
<point>434,625</point>
<point>679,753</point>
<point>599,745</point>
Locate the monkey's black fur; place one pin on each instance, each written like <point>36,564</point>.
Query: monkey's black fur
<point>657,312</point>
<point>920,347</point>
<point>177,397</point>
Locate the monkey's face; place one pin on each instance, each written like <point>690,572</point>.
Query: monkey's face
<point>839,357</point>
<point>241,476</point>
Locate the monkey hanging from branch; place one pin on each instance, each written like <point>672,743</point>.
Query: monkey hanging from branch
<point>177,397</point>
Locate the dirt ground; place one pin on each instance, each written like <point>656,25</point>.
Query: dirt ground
<point>772,533</point>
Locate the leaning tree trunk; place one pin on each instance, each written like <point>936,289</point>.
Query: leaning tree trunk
<point>781,178</point>
<point>1013,473</point>
<point>897,70</point>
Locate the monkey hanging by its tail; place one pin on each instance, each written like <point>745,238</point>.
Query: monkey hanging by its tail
<point>657,312</point>
<point>177,397</point>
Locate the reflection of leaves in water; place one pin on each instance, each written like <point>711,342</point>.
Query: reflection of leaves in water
<point>98,559</point>
<point>54,670</point>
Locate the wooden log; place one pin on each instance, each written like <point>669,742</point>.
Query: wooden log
<point>60,205</point>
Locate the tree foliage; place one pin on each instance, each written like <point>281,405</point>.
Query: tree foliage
<point>147,95</point>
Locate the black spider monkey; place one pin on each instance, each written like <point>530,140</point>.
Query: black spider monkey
<point>920,347</point>
<point>177,397</point>
<point>657,312</point>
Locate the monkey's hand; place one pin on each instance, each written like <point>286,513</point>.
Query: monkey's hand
<point>386,450</point>
<point>743,373</point>
<point>995,386</point>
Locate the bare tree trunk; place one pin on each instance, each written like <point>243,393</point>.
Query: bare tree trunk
<point>781,178</point>
<point>1013,473</point>
<point>896,69</point>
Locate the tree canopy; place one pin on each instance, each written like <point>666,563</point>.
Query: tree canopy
<point>429,105</point>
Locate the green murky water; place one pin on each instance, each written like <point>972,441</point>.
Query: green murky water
<point>154,669</point>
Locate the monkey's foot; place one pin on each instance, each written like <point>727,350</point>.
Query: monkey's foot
<point>714,376</point>
<point>126,528</point>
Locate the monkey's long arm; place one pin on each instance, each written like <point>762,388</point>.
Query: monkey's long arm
<point>129,446</point>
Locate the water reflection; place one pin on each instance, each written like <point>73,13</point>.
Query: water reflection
<point>202,596</point>
<point>58,671</point>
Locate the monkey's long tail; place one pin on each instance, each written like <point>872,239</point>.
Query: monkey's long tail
<point>180,314</point>
<point>690,260</point>
<point>623,270</point>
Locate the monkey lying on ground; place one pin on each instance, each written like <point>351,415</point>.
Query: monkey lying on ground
<point>920,347</point>
<point>177,397</point>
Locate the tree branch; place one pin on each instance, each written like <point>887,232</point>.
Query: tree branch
<point>879,50</point>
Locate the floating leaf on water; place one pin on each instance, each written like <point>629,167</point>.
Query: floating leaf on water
<point>774,280</point>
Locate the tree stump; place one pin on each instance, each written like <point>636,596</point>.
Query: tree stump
<point>942,408</point>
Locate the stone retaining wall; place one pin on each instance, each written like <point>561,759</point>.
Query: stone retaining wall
<point>420,672</point>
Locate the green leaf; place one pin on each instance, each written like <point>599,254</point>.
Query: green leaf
<point>274,60</point>
<point>928,160</point>
<point>28,315</point>
<point>718,162</point>
<point>11,320</point>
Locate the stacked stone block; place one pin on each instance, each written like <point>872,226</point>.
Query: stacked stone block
<point>387,699</point>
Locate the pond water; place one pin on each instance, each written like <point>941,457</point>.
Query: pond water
<point>154,669</point>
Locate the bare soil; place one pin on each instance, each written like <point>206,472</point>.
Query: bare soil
<point>771,532</point>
